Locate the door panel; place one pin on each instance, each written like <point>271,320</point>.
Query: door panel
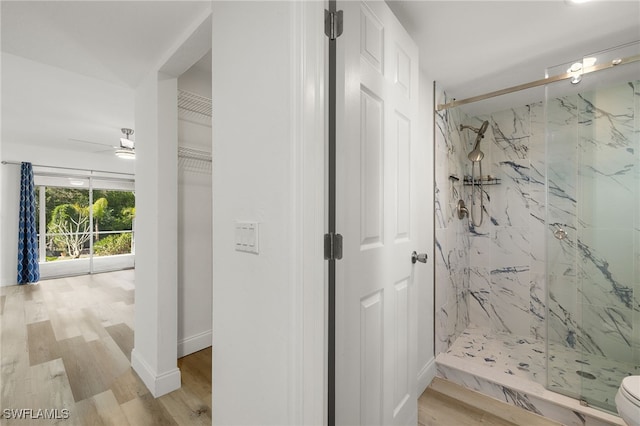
<point>371,164</point>
<point>376,340</point>
<point>402,142</point>
<point>402,385</point>
<point>372,343</point>
<point>371,39</point>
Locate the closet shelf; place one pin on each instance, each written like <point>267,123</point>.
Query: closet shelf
<point>486,180</point>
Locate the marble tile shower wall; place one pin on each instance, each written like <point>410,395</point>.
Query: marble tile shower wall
<point>451,234</point>
<point>494,275</point>
<point>507,269</point>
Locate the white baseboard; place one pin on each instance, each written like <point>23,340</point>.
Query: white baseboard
<point>426,375</point>
<point>158,384</point>
<point>195,343</point>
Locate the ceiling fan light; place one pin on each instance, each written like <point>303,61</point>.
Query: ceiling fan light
<point>126,143</point>
<point>127,149</point>
<point>126,153</point>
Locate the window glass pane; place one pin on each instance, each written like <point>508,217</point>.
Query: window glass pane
<point>113,215</point>
<point>69,233</point>
<point>67,217</point>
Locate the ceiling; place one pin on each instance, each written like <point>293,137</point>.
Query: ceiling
<point>473,47</point>
<point>69,84</point>
<point>468,47</point>
<point>115,41</point>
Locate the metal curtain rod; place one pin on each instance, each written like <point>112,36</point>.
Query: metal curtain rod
<point>540,82</point>
<point>66,175</point>
<point>69,168</point>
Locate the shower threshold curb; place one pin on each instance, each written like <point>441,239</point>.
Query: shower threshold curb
<point>522,393</point>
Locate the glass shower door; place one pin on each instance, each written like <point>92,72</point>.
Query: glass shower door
<point>563,317</point>
<point>593,221</point>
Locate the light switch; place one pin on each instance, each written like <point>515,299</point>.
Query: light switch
<point>247,237</point>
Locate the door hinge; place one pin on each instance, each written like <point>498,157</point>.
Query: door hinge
<point>332,246</point>
<point>333,24</point>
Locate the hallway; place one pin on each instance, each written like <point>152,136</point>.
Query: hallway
<point>66,344</point>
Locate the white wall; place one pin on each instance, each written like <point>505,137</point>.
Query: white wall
<point>195,240</point>
<point>155,350</point>
<point>9,212</point>
<point>195,274</point>
<point>264,345</point>
<point>38,96</point>
<point>154,356</point>
<point>197,79</point>
<point>251,178</point>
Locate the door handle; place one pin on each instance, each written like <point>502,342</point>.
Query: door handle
<point>560,233</point>
<point>422,257</point>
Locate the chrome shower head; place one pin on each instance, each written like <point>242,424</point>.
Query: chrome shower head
<point>476,155</point>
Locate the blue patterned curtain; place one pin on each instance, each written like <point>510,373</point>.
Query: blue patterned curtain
<point>28,269</point>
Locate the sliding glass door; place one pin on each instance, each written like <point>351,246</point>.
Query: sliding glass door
<point>593,217</point>
<point>65,232</point>
<point>86,224</point>
<point>112,233</point>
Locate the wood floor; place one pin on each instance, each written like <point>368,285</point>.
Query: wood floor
<point>66,344</point>
<point>447,404</point>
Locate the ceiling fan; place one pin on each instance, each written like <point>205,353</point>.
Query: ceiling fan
<point>127,148</point>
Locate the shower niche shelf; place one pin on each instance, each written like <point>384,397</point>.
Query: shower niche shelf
<point>486,180</point>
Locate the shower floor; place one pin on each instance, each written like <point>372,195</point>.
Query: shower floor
<point>588,377</point>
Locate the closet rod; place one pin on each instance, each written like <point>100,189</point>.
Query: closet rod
<point>69,168</point>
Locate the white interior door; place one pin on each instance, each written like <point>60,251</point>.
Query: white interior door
<point>376,335</point>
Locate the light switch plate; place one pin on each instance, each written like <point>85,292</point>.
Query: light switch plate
<point>247,237</point>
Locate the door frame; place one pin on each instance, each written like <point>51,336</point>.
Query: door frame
<point>309,186</point>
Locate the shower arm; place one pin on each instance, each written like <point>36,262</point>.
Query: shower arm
<point>464,126</point>
<point>479,132</point>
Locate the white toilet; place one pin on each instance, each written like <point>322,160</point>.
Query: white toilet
<point>628,400</point>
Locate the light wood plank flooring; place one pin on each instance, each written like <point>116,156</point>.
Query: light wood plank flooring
<point>446,404</point>
<point>66,344</point>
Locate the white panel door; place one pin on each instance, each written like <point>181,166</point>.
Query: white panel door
<point>376,334</point>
